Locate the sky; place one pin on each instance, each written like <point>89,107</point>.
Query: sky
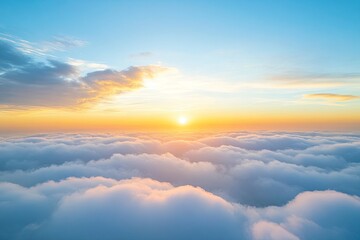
<point>143,65</point>
<point>159,120</point>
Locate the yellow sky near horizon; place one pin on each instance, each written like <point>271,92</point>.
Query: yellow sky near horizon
<point>50,120</point>
<point>154,97</point>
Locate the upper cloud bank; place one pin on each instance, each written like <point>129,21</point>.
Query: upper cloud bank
<point>26,81</point>
<point>226,186</point>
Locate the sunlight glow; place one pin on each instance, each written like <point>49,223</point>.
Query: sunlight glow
<point>182,120</point>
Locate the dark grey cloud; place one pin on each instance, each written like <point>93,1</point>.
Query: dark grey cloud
<point>227,186</point>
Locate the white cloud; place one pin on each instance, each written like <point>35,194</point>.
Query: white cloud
<point>271,231</point>
<point>227,186</point>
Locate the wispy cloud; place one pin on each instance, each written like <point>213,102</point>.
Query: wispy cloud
<point>302,81</point>
<point>142,55</point>
<point>45,48</point>
<point>331,97</point>
<point>61,43</point>
<point>87,65</point>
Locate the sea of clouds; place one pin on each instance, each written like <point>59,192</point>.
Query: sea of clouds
<point>242,185</point>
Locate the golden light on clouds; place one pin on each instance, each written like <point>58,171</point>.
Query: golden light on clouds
<point>79,95</point>
<point>331,96</point>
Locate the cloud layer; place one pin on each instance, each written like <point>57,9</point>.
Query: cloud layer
<point>239,185</point>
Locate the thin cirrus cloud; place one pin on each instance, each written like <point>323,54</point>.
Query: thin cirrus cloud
<point>331,97</point>
<point>61,43</point>
<point>57,43</point>
<point>86,65</point>
<point>142,55</point>
<point>240,185</point>
<point>313,80</point>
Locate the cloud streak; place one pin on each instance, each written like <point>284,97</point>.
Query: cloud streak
<point>331,97</point>
<point>58,43</point>
<point>305,81</point>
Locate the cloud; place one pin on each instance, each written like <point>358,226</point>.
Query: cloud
<point>323,80</point>
<point>271,231</point>
<point>61,43</point>
<point>86,65</point>
<point>87,208</point>
<point>57,43</point>
<point>53,83</point>
<point>135,209</point>
<point>142,55</point>
<point>10,57</point>
<point>318,214</point>
<point>331,97</point>
<point>110,82</point>
<point>241,185</point>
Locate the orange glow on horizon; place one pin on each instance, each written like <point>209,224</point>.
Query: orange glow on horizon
<point>47,121</point>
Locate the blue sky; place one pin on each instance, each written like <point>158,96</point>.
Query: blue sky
<point>196,36</point>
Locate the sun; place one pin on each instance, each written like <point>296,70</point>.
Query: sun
<point>182,120</point>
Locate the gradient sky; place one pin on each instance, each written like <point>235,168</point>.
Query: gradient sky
<point>142,64</point>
